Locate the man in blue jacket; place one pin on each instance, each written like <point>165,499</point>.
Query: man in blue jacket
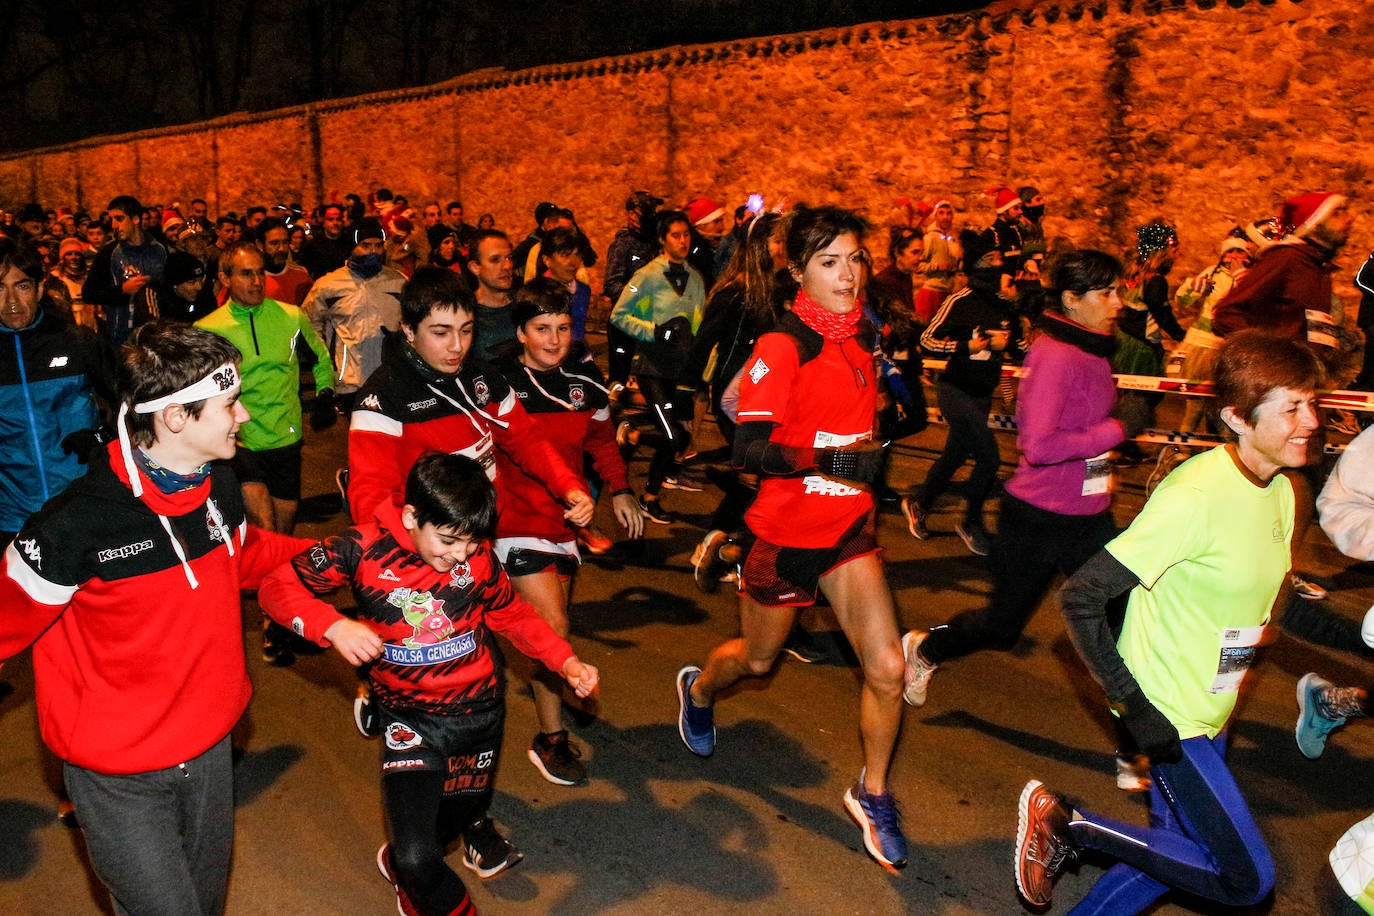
<point>50,372</point>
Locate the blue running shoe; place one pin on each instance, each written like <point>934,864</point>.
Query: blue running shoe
<point>881,822</point>
<point>696,724</point>
<point>1313,725</point>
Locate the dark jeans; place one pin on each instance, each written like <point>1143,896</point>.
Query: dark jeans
<point>969,437</point>
<point>1201,840</point>
<point>160,841</point>
<point>671,410</point>
<point>1030,547</point>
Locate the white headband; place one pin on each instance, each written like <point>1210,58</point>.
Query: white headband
<point>220,381</point>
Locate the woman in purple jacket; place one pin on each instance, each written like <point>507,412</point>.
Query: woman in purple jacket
<point>1056,511</point>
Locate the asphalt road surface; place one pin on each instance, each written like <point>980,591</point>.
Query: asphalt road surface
<point>758,827</point>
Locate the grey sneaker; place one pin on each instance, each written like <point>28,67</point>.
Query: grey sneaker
<point>918,670</point>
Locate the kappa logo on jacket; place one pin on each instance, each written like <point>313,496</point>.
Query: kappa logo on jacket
<point>30,548</point>
<point>372,402</point>
<point>119,553</point>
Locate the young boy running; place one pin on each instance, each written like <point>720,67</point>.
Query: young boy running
<point>430,597</point>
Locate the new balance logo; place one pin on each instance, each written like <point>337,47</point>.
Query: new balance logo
<point>57,362</point>
<point>387,575</point>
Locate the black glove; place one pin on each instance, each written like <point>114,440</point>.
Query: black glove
<point>677,331</point>
<point>1134,413</point>
<point>85,441</point>
<point>1155,735</point>
<point>322,414</point>
<point>861,462</point>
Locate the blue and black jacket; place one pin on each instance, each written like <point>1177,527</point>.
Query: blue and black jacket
<point>50,373</point>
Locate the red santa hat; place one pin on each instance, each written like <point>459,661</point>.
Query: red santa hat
<point>702,210</point>
<point>1004,198</point>
<point>171,218</point>
<point>1300,215</point>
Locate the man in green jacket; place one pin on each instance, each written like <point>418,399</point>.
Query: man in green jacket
<point>270,335</point>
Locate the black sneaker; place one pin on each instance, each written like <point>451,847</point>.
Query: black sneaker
<point>487,852</point>
<point>915,515</point>
<point>802,647</point>
<point>276,645</point>
<point>652,511</point>
<point>684,483</point>
<point>975,538</point>
<point>366,715</point>
<point>555,756</point>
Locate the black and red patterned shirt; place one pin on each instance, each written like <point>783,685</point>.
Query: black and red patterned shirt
<point>440,655</point>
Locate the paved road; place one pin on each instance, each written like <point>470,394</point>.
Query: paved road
<point>759,826</point>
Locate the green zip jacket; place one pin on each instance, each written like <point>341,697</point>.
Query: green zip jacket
<point>270,337</point>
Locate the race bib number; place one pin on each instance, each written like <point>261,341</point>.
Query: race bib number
<point>1239,648</point>
<point>1097,475</point>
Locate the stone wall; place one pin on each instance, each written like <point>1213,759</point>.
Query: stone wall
<point>1206,112</point>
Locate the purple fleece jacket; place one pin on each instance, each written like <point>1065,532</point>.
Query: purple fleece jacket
<point>1063,418</point>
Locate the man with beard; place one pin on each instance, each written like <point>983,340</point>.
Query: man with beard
<point>1007,227</point>
<point>285,281</point>
<point>327,249</point>
<point>1288,290</point>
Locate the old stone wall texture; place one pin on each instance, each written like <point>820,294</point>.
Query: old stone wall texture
<point>1205,112</point>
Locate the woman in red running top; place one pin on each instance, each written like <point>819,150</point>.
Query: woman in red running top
<point>805,424</point>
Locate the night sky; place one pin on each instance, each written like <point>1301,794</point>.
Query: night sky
<point>71,69</point>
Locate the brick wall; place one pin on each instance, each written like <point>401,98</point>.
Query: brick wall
<point>1207,112</point>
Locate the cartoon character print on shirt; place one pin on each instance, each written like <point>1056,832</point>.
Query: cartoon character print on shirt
<point>425,613</point>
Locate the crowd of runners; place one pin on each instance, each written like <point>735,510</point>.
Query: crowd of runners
<point>164,364</point>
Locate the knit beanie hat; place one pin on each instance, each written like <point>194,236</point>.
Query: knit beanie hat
<point>1153,237</point>
<point>366,228</point>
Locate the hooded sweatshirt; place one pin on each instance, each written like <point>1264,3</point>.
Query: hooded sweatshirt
<point>135,669</point>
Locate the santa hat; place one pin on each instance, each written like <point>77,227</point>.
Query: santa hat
<point>702,210</point>
<point>1300,215</point>
<point>70,245</point>
<point>1004,198</point>
<point>917,211</point>
<point>171,218</point>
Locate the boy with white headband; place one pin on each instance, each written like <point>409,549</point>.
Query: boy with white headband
<point>127,586</point>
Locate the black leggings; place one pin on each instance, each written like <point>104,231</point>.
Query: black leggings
<point>671,412</point>
<point>1030,547</point>
<point>431,804</point>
